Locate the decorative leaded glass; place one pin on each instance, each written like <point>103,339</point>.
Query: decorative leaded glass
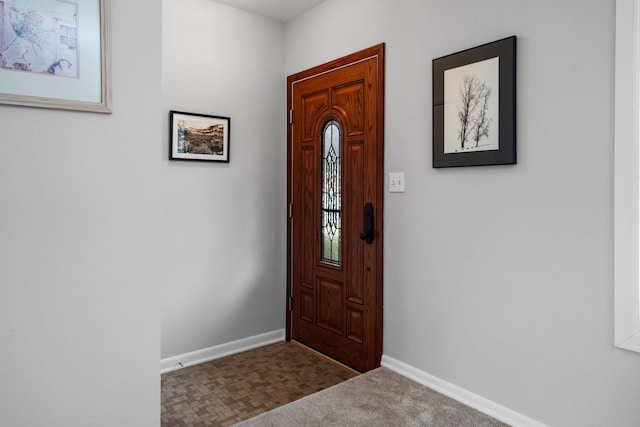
<point>331,193</point>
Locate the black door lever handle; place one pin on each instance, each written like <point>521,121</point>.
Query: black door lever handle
<point>367,221</point>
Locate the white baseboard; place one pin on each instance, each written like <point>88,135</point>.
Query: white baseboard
<point>218,351</point>
<point>473,400</point>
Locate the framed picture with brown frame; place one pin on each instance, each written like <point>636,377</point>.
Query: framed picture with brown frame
<point>198,137</point>
<point>474,106</point>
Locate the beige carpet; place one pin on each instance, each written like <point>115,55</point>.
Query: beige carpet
<point>378,398</point>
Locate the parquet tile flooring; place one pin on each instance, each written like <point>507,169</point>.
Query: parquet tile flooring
<point>225,391</point>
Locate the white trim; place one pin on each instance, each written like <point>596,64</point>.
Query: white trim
<point>470,399</point>
<point>627,303</point>
<point>222,350</point>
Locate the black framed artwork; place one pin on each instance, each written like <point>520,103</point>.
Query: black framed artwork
<point>474,106</point>
<point>198,137</point>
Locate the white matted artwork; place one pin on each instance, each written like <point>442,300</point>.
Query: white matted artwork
<point>55,54</point>
<point>471,107</point>
<point>474,106</point>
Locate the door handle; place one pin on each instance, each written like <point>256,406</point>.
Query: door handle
<point>367,221</point>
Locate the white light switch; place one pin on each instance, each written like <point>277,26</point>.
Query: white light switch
<point>396,182</point>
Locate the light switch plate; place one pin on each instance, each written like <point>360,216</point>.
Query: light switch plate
<point>396,182</point>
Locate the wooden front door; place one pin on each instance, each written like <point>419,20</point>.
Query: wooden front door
<point>335,187</point>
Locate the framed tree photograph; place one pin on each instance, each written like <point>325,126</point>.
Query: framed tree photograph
<point>55,54</point>
<point>474,106</point>
<point>198,137</point>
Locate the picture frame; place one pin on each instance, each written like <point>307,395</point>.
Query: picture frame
<point>474,106</point>
<point>56,54</point>
<point>199,137</point>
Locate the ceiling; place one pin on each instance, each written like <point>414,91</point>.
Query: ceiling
<point>282,10</point>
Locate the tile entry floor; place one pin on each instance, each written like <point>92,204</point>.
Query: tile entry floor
<point>225,391</point>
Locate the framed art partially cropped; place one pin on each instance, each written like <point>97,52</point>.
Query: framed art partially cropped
<point>55,54</point>
<point>198,137</point>
<point>474,106</point>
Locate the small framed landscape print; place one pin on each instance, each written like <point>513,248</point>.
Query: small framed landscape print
<point>474,106</point>
<point>198,137</point>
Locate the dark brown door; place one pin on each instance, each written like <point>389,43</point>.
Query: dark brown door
<point>335,180</point>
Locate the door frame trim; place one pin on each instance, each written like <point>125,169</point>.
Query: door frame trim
<point>376,51</point>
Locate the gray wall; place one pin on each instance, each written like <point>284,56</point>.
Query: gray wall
<point>79,248</point>
<point>499,279</point>
<point>223,224</point>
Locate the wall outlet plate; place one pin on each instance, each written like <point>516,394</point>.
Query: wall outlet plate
<point>396,182</point>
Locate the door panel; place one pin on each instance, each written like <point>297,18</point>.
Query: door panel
<point>335,152</point>
<point>355,174</point>
<point>330,302</point>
